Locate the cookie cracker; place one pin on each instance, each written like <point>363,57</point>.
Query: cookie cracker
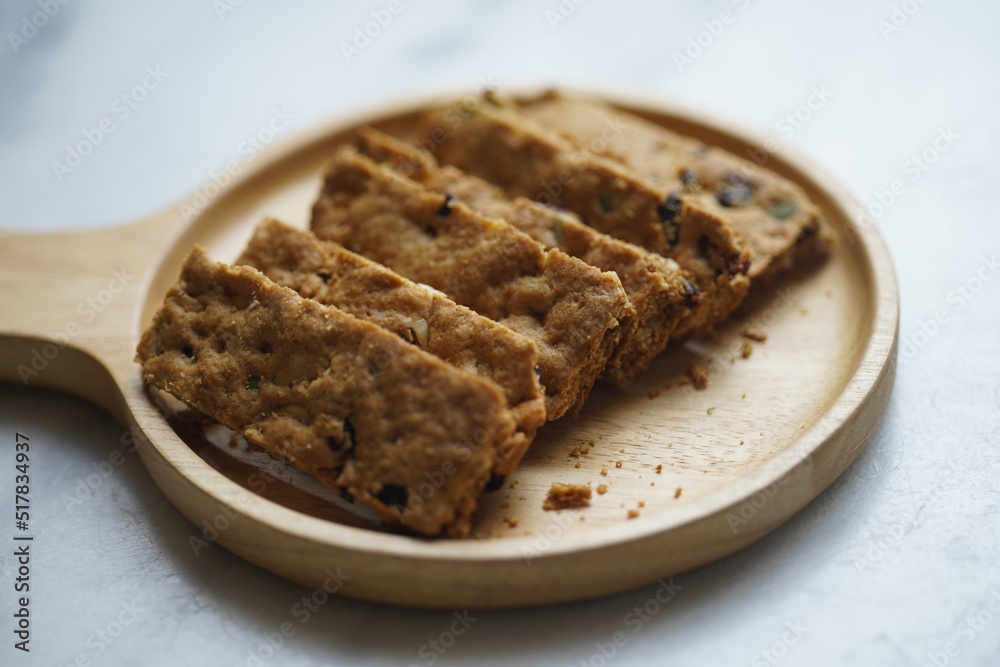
<point>780,224</point>
<point>657,287</point>
<point>501,145</point>
<point>573,312</point>
<point>342,399</point>
<point>335,276</point>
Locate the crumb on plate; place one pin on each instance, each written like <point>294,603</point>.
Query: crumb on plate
<point>753,333</point>
<point>566,496</point>
<point>698,375</point>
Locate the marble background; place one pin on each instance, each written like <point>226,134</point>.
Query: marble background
<point>898,563</point>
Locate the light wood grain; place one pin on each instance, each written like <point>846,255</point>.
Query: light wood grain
<point>737,460</point>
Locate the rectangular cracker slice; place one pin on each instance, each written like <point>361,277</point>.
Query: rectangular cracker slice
<point>502,146</point>
<point>657,287</point>
<point>573,312</point>
<point>780,224</point>
<point>335,276</point>
<point>344,400</point>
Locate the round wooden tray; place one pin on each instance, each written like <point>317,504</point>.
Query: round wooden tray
<point>690,475</point>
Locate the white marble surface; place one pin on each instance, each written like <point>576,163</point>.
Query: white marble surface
<point>890,566</point>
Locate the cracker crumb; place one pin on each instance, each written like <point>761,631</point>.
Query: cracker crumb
<point>642,503</point>
<point>604,471</point>
<point>577,465</point>
<point>743,396</point>
<point>566,496</point>
<point>652,483</point>
<point>677,492</point>
<point>618,464</point>
<point>653,393</point>
<point>602,489</point>
<point>510,521</point>
<point>747,349</point>
<point>743,442</point>
<point>632,514</point>
<point>659,468</point>
<point>698,375</point>
<point>753,333</point>
<point>580,450</point>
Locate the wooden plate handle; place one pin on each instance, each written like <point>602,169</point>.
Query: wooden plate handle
<point>69,305</point>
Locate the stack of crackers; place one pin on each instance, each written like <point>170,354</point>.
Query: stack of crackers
<point>462,287</point>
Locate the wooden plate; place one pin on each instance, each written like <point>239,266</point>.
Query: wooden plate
<point>703,473</point>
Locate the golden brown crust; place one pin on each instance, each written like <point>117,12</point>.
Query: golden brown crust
<point>775,217</point>
<point>572,311</point>
<point>657,287</point>
<point>501,145</point>
<point>343,400</point>
<point>334,276</point>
